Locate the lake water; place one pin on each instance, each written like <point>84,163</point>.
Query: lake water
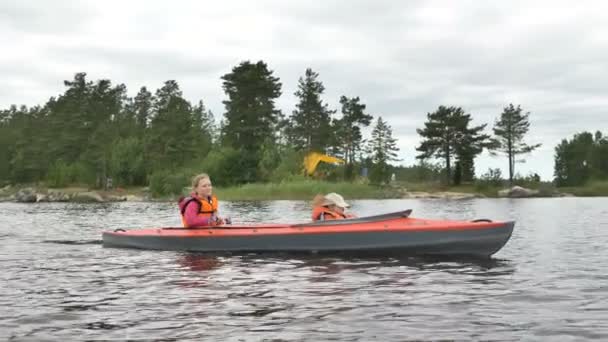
<point>549,283</point>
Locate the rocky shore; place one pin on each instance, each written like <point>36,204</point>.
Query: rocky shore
<point>34,195</point>
<point>513,192</point>
<point>83,195</point>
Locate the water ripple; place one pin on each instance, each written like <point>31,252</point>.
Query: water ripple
<point>59,283</point>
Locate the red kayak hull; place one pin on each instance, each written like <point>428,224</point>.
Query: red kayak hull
<point>395,232</point>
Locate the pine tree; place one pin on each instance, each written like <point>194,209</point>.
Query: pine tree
<point>142,107</point>
<point>250,117</point>
<point>309,127</point>
<point>510,131</point>
<point>167,143</point>
<point>203,129</point>
<point>70,121</point>
<point>27,155</point>
<point>6,144</point>
<point>447,136</point>
<point>574,160</point>
<point>599,156</point>
<point>381,149</point>
<point>347,131</point>
<point>105,107</point>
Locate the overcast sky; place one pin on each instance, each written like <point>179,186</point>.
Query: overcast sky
<point>403,58</point>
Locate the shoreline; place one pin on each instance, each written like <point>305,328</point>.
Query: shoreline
<point>287,191</point>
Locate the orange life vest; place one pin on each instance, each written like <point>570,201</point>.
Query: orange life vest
<point>206,207</point>
<point>323,213</point>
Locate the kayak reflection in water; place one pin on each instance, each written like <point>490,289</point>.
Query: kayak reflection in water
<point>199,262</point>
<point>330,207</point>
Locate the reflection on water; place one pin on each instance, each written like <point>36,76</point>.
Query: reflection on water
<point>198,262</point>
<point>201,262</point>
<point>59,283</point>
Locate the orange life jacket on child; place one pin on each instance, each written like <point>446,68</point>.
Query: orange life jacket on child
<point>206,207</point>
<point>323,213</point>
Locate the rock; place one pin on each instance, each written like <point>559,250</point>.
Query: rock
<point>504,192</point>
<point>564,194</point>
<point>87,197</point>
<point>58,196</point>
<point>52,196</point>
<point>27,195</point>
<point>134,198</point>
<point>6,194</point>
<point>42,198</point>
<point>440,195</point>
<point>417,194</point>
<point>10,198</point>
<point>461,195</point>
<point>114,198</point>
<point>518,192</point>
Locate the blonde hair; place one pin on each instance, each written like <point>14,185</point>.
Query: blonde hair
<point>196,179</point>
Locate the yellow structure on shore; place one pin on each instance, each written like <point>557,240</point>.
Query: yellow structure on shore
<point>314,158</point>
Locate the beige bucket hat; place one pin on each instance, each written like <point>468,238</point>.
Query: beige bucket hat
<point>334,198</point>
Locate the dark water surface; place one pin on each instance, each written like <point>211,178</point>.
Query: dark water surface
<point>549,283</point>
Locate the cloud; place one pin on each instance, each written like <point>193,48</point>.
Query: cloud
<point>403,59</point>
<point>34,17</point>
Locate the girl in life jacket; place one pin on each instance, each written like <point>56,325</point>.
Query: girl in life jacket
<point>200,208</point>
<point>330,207</point>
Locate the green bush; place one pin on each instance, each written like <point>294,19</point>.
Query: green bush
<point>289,168</point>
<point>163,183</point>
<point>489,180</point>
<point>62,174</point>
<point>379,174</point>
<point>300,188</point>
<point>591,188</point>
<point>532,180</point>
<point>422,172</point>
<point>217,165</point>
<point>228,166</point>
<point>127,165</point>
<point>269,160</point>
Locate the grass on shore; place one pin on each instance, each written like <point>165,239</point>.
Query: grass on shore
<point>593,188</point>
<point>302,190</point>
<point>307,189</point>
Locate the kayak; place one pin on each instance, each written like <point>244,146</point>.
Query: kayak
<point>381,234</point>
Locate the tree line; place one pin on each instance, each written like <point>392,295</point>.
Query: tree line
<point>448,136</point>
<point>94,131</point>
<point>581,159</point>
